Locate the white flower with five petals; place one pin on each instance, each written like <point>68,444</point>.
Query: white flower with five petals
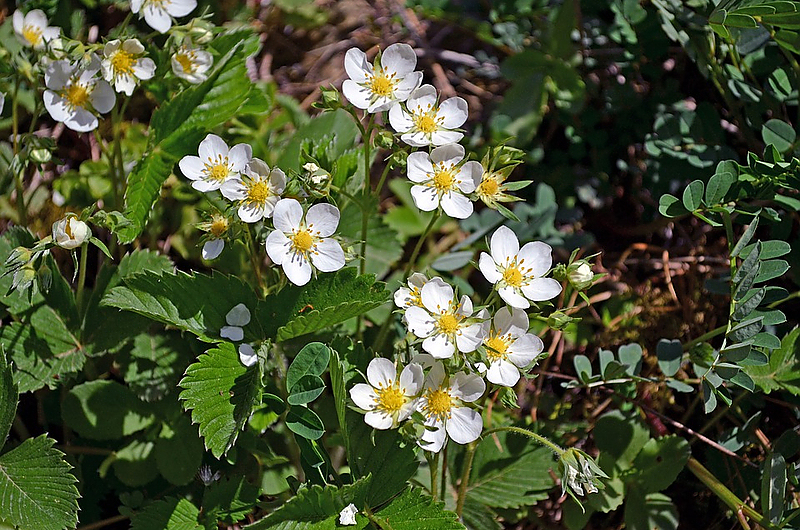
<point>299,242</point>
<point>405,297</point>
<point>517,273</point>
<point>159,13</point>
<point>443,406</point>
<point>31,29</point>
<point>441,179</point>
<point>258,189</point>
<point>509,346</point>
<point>216,163</point>
<point>75,94</point>
<point>388,399</point>
<point>377,88</point>
<point>424,122</point>
<point>191,63</point>
<point>123,66</point>
<point>444,323</point>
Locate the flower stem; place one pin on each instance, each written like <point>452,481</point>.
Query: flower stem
<point>20,173</point>
<point>433,465</point>
<point>82,275</point>
<point>525,432</point>
<point>465,471</point>
<point>251,249</point>
<point>412,261</point>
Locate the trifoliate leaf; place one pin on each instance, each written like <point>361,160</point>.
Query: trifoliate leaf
<point>783,370</point>
<point>105,410</point>
<point>168,514</point>
<point>221,393</point>
<point>37,491</point>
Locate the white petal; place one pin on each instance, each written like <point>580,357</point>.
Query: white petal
<point>57,74</point>
<point>378,420</point>
<point>247,355</point>
<point>409,83</point>
<point>488,268</point>
<point>454,111</point>
<point>441,137</point>
<point>456,205</point>
<point>399,59</point>
<point>356,94</point>
<point>133,46</point>
<point>512,297</point>
<point>503,319</point>
<point>278,247</point>
<point>211,147</point>
<point>56,106</point>
<point>417,280</point>
<point>144,69</point>
<point>470,338</point>
<point>18,21</point>
<point>239,315</point>
<point>450,154</point>
<point>470,176</point>
<point>136,5</point>
<point>503,373</point>
<point>157,18</point>
<point>411,379</point>
<point>417,139</point>
<point>81,120</point>
<point>381,372</point>
<point>297,269</point>
<point>250,213</point>
<point>206,185</point>
<point>439,345</point>
<point>102,97</point>
<point>213,248</point>
<point>232,189</point>
<point>419,321</point>
<point>402,297</point>
<point>433,440</point>
<point>525,349</point>
<point>363,396</point>
<point>356,65</point>
<point>425,197</point>
<point>239,156</point>
<point>323,218</point>
<point>328,255</point>
<point>437,296</point>
<point>464,425</point>
<point>504,246</point>
<point>180,8</point>
<point>419,166</point>
<point>287,215</point>
<point>399,119</point>
<point>191,167</point>
<point>277,181</point>
<point>234,333</point>
<point>421,98</point>
<point>467,387</point>
<point>540,289</point>
<point>538,256</point>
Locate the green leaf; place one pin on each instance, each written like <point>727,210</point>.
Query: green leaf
<point>749,303</point>
<point>583,367</point>
<point>773,487</point>
<point>659,462</point>
<point>771,269</point>
<point>414,510</point>
<point>221,393</point>
<point>135,463</point>
<point>168,514</point>
<point>779,133</point>
<point>670,355</point>
<point>670,206</point>
<point>477,516</point>
<point>747,265</point>
<point>744,330</point>
<point>718,186</point>
<point>746,237</point>
<point>619,437</point>
<point>649,512</point>
<point>36,488</point>
<point>767,340</point>
<point>693,195</point>
<point>630,355</point>
<point>180,124</point>
<point>8,398</point>
<point>311,360</point>
<point>105,410</point>
<point>179,451</point>
<point>305,422</point>
<point>154,364</point>
<point>709,397</point>
<point>514,475</point>
<point>783,370</point>
<point>306,390</point>
<point>229,500</point>
<point>383,244</point>
<point>769,249</point>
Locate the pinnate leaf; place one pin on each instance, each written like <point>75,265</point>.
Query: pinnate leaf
<point>783,370</point>
<point>221,393</point>
<point>36,488</point>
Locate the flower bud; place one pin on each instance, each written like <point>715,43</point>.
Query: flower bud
<point>41,156</point>
<point>201,31</point>
<point>580,275</point>
<point>384,139</point>
<point>70,232</point>
<point>560,320</point>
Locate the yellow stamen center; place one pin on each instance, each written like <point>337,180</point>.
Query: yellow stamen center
<point>496,348</point>
<point>302,241</point>
<point>186,60</point>
<point>258,192</point>
<point>439,403</point>
<point>77,95</point>
<point>448,324</point>
<point>219,225</point>
<point>488,187</point>
<point>32,34</point>
<point>217,170</point>
<point>382,85</point>
<point>443,179</point>
<point>122,62</point>
<point>427,122</point>
<point>390,399</point>
<point>512,276</point>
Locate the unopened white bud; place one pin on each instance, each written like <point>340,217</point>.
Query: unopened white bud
<point>70,232</point>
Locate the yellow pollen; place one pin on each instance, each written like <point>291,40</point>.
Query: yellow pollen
<point>496,348</point>
<point>382,85</point>
<point>302,241</point>
<point>219,171</point>
<point>488,187</point>
<point>443,179</point>
<point>512,276</point>
<point>219,225</point>
<point>439,403</point>
<point>122,62</point>
<point>186,60</point>
<point>77,95</point>
<point>258,192</point>
<point>390,399</point>
<point>426,123</point>
<point>32,34</point>
<point>448,324</point>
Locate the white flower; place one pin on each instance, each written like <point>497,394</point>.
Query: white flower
<point>388,399</point>
<point>441,180</point>
<point>158,13</point>
<point>405,297</point>
<point>390,81</point>
<point>425,122</point>
<point>517,273</point>
<point>442,405</point>
<point>70,232</point>
<point>258,190</point>
<point>217,227</point>
<point>2,101</point>
<point>122,65</point>
<point>236,318</point>
<point>296,244</point>
<point>191,63</point>
<point>347,516</point>
<point>580,275</point>
<point>444,323</point>
<point>579,471</point>
<point>216,163</point>
<point>74,94</point>
<point>32,29</point>
<point>247,355</point>
<point>509,346</point>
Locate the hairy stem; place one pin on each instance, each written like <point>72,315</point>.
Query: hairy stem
<point>465,471</point>
<point>82,275</point>
<point>20,173</point>
<point>525,432</point>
